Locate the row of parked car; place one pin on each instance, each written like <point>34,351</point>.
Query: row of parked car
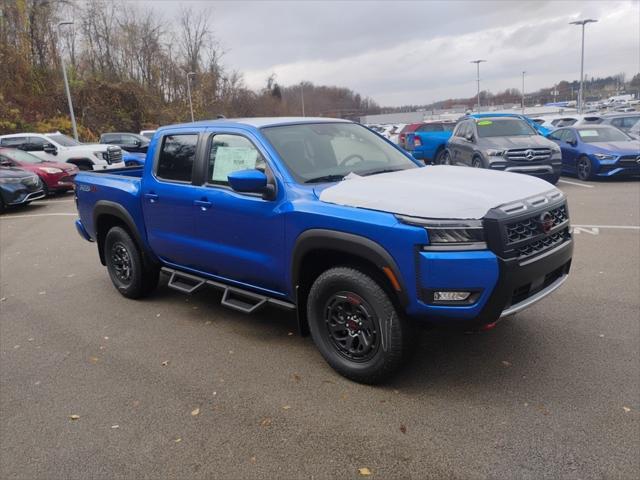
<point>34,165</point>
<point>586,146</point>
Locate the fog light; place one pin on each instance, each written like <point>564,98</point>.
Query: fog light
<point>450,296</point>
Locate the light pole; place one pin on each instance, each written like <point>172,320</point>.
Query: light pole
<point>189,75</point>
<point>302,96</point>
<point>523,72</point>
<point>66,84</point>
<point>478,62</point>
<point>581,92</point>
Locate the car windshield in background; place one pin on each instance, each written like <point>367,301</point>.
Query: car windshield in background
<point>595,135</point>
<point>63,140</point>
<point>511,127</point>
<point>20,156</point>
<point>325,152</point>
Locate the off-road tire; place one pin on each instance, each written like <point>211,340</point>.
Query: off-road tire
<point>392,330</point>
<point>140,279</point>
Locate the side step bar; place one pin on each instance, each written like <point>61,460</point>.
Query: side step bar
<point>236,298</point>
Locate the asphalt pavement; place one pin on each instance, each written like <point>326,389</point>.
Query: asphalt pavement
<point>95,386</point>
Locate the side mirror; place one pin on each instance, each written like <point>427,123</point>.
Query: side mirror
<point>573,143</point>
<point>137,142</point>
<point>248,181</point>
<point>48,148</point>
<point>5,163</point>
<point>469,137</point>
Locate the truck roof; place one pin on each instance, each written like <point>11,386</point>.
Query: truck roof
<point>257,122</point>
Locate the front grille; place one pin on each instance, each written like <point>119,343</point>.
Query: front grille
<point>543,244</point>
<point>528,154</point>
<point>530,227</point>
<point>629,161</point>
<point>114,155</point>
<point>521,293</point>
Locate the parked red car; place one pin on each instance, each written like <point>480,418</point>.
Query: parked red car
<point>55,176</point>
<point>402,136</point>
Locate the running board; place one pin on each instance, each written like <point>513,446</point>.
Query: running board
<point>236,298</point>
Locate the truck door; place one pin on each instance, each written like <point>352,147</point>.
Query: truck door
<point>238,236</point>
<point>168,196</point>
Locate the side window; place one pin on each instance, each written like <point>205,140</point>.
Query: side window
<point>13,142</point>
<point>628,122</point>
<point>569,136</point>
<point>430,127</point>
<point>127,140</point>
<point>461,130</point>
<point>112,138</point>
<point>557,135</point>
<point>177,156</point>
<point>36,144</point>
<point>6,161</point>
<point>229,153</point>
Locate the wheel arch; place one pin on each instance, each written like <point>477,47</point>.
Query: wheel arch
<point>317,250</point>
<point>81,161</point>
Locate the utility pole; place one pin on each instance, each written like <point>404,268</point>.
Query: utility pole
<point>302,96</point>
<point>582,23</point>
<point>478,62</point>
<point>523,72</point>
<point>189,75</point>
<point>66,84</point>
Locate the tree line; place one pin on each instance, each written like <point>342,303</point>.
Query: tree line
<point>127,69</point>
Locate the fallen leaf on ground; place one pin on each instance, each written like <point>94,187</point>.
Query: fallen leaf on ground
<point>106,338</point>
<point>30,339</point>
<point>290,334</point>
<point>74,417</point>
<point>626,409</point>
<point>364,471</point>
<point>178,440</point>
<point>71,275</point>
<point>3,299</point>
<point>230,351</point>
<point>266,422</point>
<point>93,359</point>
<point>208,322</point>
<point>16,346</point>
<point>253,459</point>
<point>286,407</point>
<point>157,314</point>
<point>165,363</point>
<point>296,377</point>
<point>115,426</point>
<point>195,412</point>
<point>403,428</point>
<point>42,292</point>
<point>506,364</point>
<point>601,335</point>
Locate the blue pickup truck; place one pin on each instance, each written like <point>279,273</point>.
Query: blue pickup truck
<point>325,218</point>
<point>428,142</point>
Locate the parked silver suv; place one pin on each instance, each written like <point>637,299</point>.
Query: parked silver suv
<point>503,143</point>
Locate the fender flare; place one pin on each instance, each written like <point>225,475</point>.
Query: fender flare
<point>356,245</point>
<point>106,207</point>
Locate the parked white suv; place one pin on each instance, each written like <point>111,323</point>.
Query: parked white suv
<point>57,147</point>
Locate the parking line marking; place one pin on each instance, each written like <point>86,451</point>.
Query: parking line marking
<point>576,183</point>
<point>39,215</point>
<point>46,202</point>
<point>619,227</point>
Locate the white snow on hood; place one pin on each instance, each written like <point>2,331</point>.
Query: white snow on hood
<point>436,191</point>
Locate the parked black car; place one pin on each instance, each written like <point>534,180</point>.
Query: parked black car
<point>18,187</point>
<point>503,143</point>
<point>131,142</point>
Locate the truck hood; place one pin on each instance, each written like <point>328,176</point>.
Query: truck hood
<point>443,192</point>
<point>519,141</point>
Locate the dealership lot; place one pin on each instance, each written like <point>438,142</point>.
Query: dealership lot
<point>180,387</point>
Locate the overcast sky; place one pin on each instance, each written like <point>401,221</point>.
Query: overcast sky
<point>416,52</point>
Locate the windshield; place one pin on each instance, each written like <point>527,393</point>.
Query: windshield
<point>595,135</point>
<point>504,127</point>
<point>63,140</point>
<point>20,156</point>
<point>324,152</point>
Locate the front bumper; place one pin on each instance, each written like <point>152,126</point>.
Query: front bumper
<point>16,194</point>
<point>543,169</point>
<point>620,167</point>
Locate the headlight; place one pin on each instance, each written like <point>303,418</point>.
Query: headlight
<point>450,234</point>
<point>100,155</point>
<point>50,170</point>
<point>12,179</point>
<point>495,153</point>
<point>604,156</point>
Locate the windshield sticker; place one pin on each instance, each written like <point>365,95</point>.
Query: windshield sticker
<point>588,133</point>
<point>232,159</point>
<point>482,123</point>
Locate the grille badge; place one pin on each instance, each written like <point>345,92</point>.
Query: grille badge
<point>529,154</point>
<point>546,222</point>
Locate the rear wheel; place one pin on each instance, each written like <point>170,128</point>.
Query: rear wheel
<point>439,157</point>
<point>477,162</point>
<point>126,266</point>
<point>584,168</point>
<point>355,325</point>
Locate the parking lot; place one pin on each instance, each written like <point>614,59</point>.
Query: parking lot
<point>180,387</point>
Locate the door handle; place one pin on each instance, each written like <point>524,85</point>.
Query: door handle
<point>152,197</point>
<point>203,204</point>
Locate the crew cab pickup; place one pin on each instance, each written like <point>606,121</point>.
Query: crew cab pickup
<point>429,141</point>
<point>328,219</point>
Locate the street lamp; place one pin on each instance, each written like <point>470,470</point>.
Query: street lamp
<point>581,92</point>
<point>302,96</point>
<point>478,62</point>
<point>66,84</point>
<point>189,75</point>
<point>523,72</point>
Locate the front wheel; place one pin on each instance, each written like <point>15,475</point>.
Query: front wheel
<point>446,158</point>
<point>126,267</point>
<point>477,162</point>
<point>585,168</point>
<point>355,325</point>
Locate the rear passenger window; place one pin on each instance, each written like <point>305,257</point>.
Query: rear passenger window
<point>430,127</point>
<point>177,156</point>
<point>14,142</point>
<point>230,153</point>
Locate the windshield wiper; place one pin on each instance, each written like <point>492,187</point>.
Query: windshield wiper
<point>384,170</point>
<point>325,178</point>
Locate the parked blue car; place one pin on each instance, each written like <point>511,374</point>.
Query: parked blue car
<point>591,151</point>
<point>428,142</point>
<point>544,131</point>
